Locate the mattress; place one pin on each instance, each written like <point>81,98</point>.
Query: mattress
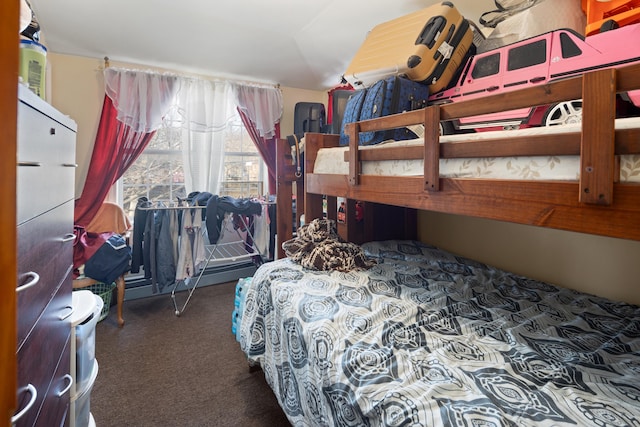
<point>427,338</point>
<point>561,168</point>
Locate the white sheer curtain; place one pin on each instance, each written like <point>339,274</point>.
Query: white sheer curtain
<point>263,106</point>
<point>141,98</point>
<point>206,108</point>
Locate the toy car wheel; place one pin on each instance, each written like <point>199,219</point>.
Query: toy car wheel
<point>447,128</point>
<point>608,25</point>
<point>564,113</point>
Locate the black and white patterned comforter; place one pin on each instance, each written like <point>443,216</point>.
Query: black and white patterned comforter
<point>425,338</point>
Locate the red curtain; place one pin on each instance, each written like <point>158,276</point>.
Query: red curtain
<point>266,147</point>
<point>116,147</point>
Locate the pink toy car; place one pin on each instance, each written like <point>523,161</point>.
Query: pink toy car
<point>539,60</point>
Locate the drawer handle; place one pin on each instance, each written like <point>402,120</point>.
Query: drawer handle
<point>67,388</point>
<point>64,316</point>
<point>34,394</point>
<point>32,164</point>
<point>70,165</point>
<point>36,279</point>
<point>68,238</point>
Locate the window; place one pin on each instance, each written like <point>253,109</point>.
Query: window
<point>243,167</point>
<point>569,48</point>
<point>158,173</point>
<point>486,66</point>
<point>528,55</point>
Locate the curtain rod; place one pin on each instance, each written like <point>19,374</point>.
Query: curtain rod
<point>214,79</point>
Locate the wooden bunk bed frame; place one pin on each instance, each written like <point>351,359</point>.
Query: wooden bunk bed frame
<point>595,204</point>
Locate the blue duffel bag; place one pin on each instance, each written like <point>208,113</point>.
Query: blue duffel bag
<point>391,95</point>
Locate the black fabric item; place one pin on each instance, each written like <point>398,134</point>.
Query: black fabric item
<point>139,222</point>
<point>149,250</point>
<point>110,261</point>
<point>198,198</point>
<point>216,208</point>
<point>165,264</point>
<point>272,210</point>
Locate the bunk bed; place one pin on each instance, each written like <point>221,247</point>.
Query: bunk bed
<point>425,337</point>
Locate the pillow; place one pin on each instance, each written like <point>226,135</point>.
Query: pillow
<point>405,250</point>
<point>415,252</point>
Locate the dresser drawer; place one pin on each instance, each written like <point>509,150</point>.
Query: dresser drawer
<point>55,408</point>
<point>46,163</point>
<point>45,247</point>
<point>39,358</point>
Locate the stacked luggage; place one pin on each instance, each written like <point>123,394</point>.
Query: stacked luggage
<point>401,62</point>
<point>388,96</point>
<point>608,15</point>
<point>426,46</point>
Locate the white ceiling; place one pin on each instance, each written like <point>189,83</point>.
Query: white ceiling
<point>297,43</point>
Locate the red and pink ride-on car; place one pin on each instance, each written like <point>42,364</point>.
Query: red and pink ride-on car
<point>539,60</point>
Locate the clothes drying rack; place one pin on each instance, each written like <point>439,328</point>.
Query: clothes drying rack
<point>237,249</point>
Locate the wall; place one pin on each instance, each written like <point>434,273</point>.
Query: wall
<point>593,264</point>
<point>603,266</point>
<point>77,89</point>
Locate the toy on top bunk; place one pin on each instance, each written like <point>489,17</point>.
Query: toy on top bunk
<point>532,48</point>
<point>533,43</point>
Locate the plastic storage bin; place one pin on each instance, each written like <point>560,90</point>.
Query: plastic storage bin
<point>86,347</point>
<point>82,401</point>
<point>87,308</point>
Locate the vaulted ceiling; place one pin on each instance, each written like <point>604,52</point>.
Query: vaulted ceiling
<point>296,43</point>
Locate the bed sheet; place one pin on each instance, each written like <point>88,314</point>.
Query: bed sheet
<point>560,168</point>
<point>429,338</point>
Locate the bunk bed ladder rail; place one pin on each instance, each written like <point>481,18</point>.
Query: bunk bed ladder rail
<point>597,145</point>
<point>596,148</point>
<point>595,203</point>
<point>431,154</point>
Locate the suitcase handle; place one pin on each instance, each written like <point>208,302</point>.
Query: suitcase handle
<point>430,32</point>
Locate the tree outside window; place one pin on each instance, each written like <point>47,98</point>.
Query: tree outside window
<point>158,173</point>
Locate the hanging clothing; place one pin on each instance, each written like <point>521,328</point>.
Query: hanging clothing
<point>218,206</point>
<point>192,252</point>
<point>139,224</point>
<point>164,259</point>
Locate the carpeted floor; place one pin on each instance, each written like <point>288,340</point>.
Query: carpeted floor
<point>187,371</point>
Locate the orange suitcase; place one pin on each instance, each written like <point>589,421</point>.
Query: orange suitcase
<point>606,15</point>
<point>426,46</point>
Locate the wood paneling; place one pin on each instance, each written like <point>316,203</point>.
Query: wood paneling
<point>596,204</point>
<point>9,40</point>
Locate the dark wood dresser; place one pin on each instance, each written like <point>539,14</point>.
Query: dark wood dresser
<point>45,200</point>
